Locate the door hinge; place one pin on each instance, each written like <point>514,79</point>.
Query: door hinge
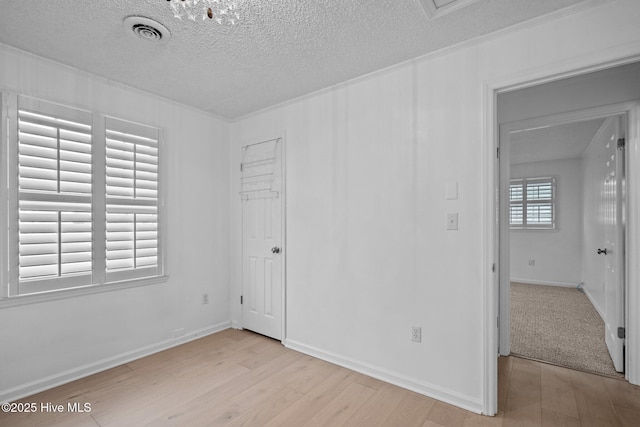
<point>241,299</point>
<point>498,152</point>
<point>493,267</point>
<point>622,332</point>
<point>498,322</point>
<point>621,143</point>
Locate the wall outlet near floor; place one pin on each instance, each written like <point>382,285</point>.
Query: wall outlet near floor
<point>205,298</point>
<point>416,334</point>
<point>532,263</point>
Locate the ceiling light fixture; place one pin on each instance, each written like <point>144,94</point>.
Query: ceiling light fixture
<point>224,12</point>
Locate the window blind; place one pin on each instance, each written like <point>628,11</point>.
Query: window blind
<point>54,196</point>
<point>132,247</point>
<point>532,203</point>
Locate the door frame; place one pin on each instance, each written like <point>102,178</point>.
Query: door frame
<point>504,141</point>
<point>283,223</point>
<point>490,230</point>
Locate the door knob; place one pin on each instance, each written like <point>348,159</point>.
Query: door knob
<point>275,250</point>
<point>602,251</point>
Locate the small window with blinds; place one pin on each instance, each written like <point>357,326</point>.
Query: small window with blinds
<point>532,203</point>
<point>55,231</point>
<point>131,200</point>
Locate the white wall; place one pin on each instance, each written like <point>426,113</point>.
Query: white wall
<point>368,161</point>
<point>45,343</point>
<point>557,253</point>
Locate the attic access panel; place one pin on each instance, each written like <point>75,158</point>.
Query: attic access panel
<point>438,8</point>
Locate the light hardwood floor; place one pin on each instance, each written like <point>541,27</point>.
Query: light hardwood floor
<point>237,378</point>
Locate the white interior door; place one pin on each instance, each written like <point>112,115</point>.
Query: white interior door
<point>613,246</point>
<point>262,251</point>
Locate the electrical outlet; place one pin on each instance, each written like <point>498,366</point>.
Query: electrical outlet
<point>205,298</point>
<point>532,263</point>
<point>452,221</point>
<point>416,334</point>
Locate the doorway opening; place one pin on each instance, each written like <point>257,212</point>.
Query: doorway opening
<point>614,88</point>
<point>562,239</point>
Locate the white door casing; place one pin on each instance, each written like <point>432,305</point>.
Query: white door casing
<point>494,221</point>
<point>262,249</point>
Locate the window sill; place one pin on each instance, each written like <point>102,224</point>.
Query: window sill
<point>78,292</point>
<point>527,230</point>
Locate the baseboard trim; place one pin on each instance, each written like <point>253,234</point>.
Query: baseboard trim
<point>546,283</point>
<point>400,380</point>
<point>61,378</point>
<point>236,324</point>
<point>593,303</point>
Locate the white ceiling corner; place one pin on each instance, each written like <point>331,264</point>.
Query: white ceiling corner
<point>548,143</point>
<point>438,8</point>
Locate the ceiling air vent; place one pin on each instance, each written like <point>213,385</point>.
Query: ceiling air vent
<point>437,8</point>
<point>147,29</point>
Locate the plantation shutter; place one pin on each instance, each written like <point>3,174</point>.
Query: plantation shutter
<point>532,203</point>
<point>54,196</point>
<point>540,203</point>
<point>516,198</point>
<point>132,243</point>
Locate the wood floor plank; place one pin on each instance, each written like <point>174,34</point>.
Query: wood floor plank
<point>378,408</point>
<point>342,407</point>
<point>237,378</point>
<point>43,419</point>
<point>164,397</point>
<point>317,398</point>
<point>556,419</point>
<point>299,376</point>
<point>411,411</point>
<point>524,400</point>
<point>557,391</point>
<point>476,420</point>
<point>368,381</point>
<point>448,415</point>
<point>622,393</point>
<point>262,353</point>
<point>198,408</point>
<point>594,405</point>
<point>307,373</point>
<point>270,407</point>
<point>628,417</point>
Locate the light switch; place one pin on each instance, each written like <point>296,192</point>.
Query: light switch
<point>452,221</point>
<point>451,190</point>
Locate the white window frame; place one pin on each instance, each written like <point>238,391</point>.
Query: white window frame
<point>99,281</point>
<point>525,203</point>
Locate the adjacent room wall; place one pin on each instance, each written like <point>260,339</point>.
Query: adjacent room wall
<point>45,343</point>
<point>368,163</point>
<point>557,254</point>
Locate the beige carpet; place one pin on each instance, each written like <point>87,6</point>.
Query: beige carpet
<point>560,326</point>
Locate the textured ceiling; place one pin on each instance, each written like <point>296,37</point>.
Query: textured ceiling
<point>567,141</point>
<point>280,50</point>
